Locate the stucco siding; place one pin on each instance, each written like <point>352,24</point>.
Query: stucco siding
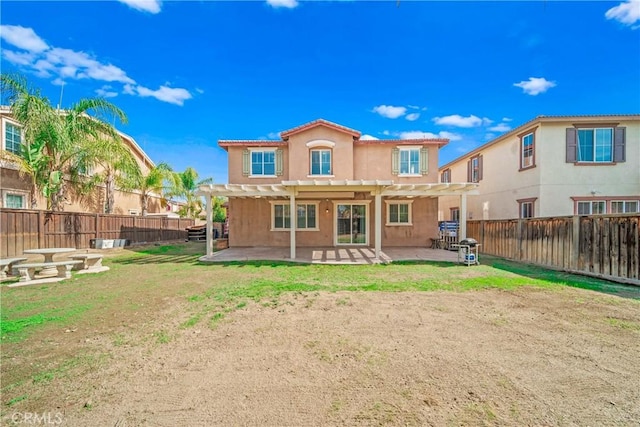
<point>341,153</point>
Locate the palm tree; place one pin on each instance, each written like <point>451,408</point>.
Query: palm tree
<point>185,186</point>
<point>35,115</point>
<point>152,182</point>
<point>54,140</point>
<point>116,162</point>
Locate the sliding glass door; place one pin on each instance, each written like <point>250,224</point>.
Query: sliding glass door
<point>351,224</point>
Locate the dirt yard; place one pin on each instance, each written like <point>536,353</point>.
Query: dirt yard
<point>494,357</point>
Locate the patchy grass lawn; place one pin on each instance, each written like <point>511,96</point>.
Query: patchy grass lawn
<point>66,346</point>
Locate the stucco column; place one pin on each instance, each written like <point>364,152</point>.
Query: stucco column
<point>293,218</point>
<point>463,217</point>
<point>209,225</point>
<point>378,223</point>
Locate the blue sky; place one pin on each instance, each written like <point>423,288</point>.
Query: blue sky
<point>190,73</point>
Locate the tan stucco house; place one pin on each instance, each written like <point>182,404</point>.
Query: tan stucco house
<point>14,189</point>
<point>320,185</point>
<point>552,166</point>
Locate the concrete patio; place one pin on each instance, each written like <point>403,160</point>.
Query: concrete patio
<point>350,255</point>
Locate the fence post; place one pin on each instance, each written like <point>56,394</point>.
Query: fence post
<point>575,242</point>
<point>135,229</point>
<point>518,254</point>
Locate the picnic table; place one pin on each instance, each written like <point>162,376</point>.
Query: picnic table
<point>49,253</point>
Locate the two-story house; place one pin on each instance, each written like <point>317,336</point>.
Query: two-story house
<point>320,185</point>
<point>552,166</point>
<point>15,188</point>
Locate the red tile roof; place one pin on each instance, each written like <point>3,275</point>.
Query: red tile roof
<point>225,143</point>
<point>319,122</point>
<point>422,141</point>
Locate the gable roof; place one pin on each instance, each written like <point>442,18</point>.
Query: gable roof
<point>316,123</point>
<point>586,118</point>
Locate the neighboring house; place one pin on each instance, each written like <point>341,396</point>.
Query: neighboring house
<point>552,166</point>
<point>320,185</point>
<point>14,189</point>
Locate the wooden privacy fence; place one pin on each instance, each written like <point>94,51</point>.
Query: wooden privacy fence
<point>602,245</point>
<point>22,229</point>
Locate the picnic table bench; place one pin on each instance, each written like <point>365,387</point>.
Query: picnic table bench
<point>89,262</point>
<point>6,265</point>
<point>28,270</point>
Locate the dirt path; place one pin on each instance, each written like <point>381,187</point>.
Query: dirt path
<point>528,357</point>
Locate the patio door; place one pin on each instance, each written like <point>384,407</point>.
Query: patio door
<point>351,224</point>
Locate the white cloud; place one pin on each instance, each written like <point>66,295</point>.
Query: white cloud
<point>128,89</point>
<point>486,121</point>
<point>418,134</point>
<point>386,132</point>
<point>65,64</point>
<point>389,111</point>
<point>151,6</point>
<point>273,135</point>
<point>535,85</point>
<point>449,135</point>
<point>289,4</point>
<point>502,127</point>
<point>459,121</point>
<point>106,92</point>
<point>368,138</point>
<point>627,13</point>
<point>489,136</point>
<point>412,116</point>
<point>415,107</point>
<point>506,119</point>
<point>167,94</point>
<point>22,38</point>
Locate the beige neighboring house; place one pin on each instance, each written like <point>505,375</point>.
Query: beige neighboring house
<point>552,166</point>
<point>321,185</point>
<point>14,189</point>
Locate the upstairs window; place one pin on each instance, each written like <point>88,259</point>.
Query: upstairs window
<point>596,145</point>
<point>527,149</point>
<point>454,214</point>
<point>263,163</point>
<point>12,137</point>
<point>258,163</point>
<point>445,176</point>
<point>410,161</point>
<point>474,169</point>
<point>320,162</point>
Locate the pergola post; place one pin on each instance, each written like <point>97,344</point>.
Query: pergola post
<point>209,225</point>
<point>378,224</point>
<point>292,219</point>
<point>463,217</point>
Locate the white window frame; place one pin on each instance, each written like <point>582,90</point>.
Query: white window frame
<point>446,176</point>
<point>22,196</point>
<point>397,203</point>
<point>409,149</point>
<point>262,150</point>
<point>523,149</point>
<point>475,169</point>
<point>298,203</point>
<point>624,205</point>
<point>591,202</point>
<point>6,122</point>
<point>320,149</point>
<point>595,145</point>
<point>529,207</point>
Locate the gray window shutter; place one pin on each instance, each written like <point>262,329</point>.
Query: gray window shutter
<point>619,142</point>
<point>571,146</point>
<point>395,161</point>
<point>279,161</point>
<point>424,160</point>
<point>480,168</point>
<point>469,171</point>
<point>246,162</point>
